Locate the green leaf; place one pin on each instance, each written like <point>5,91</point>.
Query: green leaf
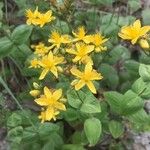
<point>131,103</point>
<point>57,140</point>
<point>140,117</point>
<point>71,114</point>
<point>47,129</point>
<point>114,99</point>
<point>83,100</point>
<point>146,16</point>
<point>14,120</point>
<point>74,98</point>
<point>49,145</point>
<point>73,147</point>
<point>117,53</point>
<point>141,88</point>
<point>140,120</point>
<point>6,47</point>
<point>134,5</point>
<point>15,134</point>
<point>109,73</point>
<point>62,26</point>
<point>28,134</point>
<point>144,71</point>
<point>92,128</point>
<point>92,107</point>
<point>21,34</point>
<point>138,86</point>
<point>132,68</point>
<point>116,128</point>
<point>126,104</point>
<point>90,103</point>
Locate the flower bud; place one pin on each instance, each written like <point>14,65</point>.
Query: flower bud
<point>35,93</point>
<point>60,69</point>
<point>36,86</point>
<point>144,44</point>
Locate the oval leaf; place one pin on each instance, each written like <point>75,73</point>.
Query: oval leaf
<point>93,129</point>
<point>116,128</point>
<point>21,34</point>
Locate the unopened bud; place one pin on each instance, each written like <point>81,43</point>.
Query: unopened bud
<point>35,93</point>
<point>36,86</point>
<point>144,44</point>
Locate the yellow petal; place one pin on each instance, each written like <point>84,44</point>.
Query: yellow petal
<point>50,56</point>
<point>71,51</point>
<point>54,71</point>
<point>144,30</point>
<point>79,85</point>
<point>57,94</point>
<point>42,101</point>
<point>87,39</point>
<point>43,74</point>
<point>49,113</point>
<point>90,48</point>
<point>42,116</point>
<point>95,75</point>
<point>47,92</point>
<point>76,72</point>
<point>58,60</point>
<point>97,49</point>
<point>88,68</point>
<point>60,106</point>
<point>91,87</point>
<point>134,40</point>
<point>87,59</point>
<point>122,36</point>
<point>137,24</point>
<point>76,59</point>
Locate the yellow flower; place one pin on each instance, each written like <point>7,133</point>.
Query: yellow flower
<point>80,35</point>
<point>81,52</point>
<point>37,18</point>
<point>34,63</point>
<point>56,39</point>
<point>45,117</point>
<point>52,102</point>
<point>41,49</point>
<point>49,63</point>
<point>32,16</point>
<point>85,78</point>
<point>98,40</point>
<point>35,93</point>
<point>133,32</point>
<point>144,44</point>
<point>45,18</point>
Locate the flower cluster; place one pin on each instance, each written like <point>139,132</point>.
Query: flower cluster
<point>38,18</point>
<point>78,49</point>
<point>136,34</point>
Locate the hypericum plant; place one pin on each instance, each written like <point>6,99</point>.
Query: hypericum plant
<point>49,58</point>
<point>87,85</point>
